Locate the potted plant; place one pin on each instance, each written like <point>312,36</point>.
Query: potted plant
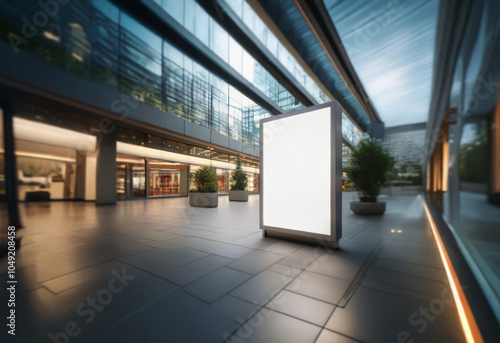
<point>349,187</point>
<point>370,168</point>
<point>205,194</point>
<point>240,182</point>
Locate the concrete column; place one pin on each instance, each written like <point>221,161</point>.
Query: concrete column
<point>106,171</point>
<point>10,164</point>
<point>184,181</point>
<point>81,159</point>
<point>147,183</point>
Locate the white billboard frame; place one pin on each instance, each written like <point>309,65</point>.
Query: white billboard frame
<point>312,128</point>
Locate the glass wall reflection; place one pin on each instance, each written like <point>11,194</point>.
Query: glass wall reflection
<point>167,178</point>
<point>130,177</point>
<point>95,40</point>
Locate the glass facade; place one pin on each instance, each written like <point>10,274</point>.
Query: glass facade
<point>210,33</point>
<point>97,41</point>
<point>462,147</point>
<point>471,201</point>
<point>253,22</point>
<point>350,132</point>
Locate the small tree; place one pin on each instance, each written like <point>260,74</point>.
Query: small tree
<point>370,169</point>
<point>205,180</point>
<point>238,177</point>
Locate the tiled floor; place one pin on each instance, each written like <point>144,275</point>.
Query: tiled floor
<point>161,271</point>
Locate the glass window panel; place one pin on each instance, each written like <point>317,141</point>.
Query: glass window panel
<point>141,62</point>
<point>201,25</point>
<point>173,54</point>
<point>105,43</point>
<point>235,55</point>
<point>219,41</point>
<point>236,6</point>
<point>190,15</point>
<point>175,8</point>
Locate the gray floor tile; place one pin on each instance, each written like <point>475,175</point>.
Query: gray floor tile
<point>261,288</point>
<point>255,242</point>
<point>187,273</point>
<point>372,316</point>
<point>338,264</point>
<point>403,285</point>
<point>255,262</point>
<point>81,277</point>
<point>303,257</point>
<point>327,336</point>
<point>270,326</point>
<point>216,248</point>
<point>319,287</point>
<point>180,317</point>
<point>289,273</point>
<point>165,256</point>
<point>436,274</point>
<point>284,247</point>
<point>236,309</point>
<point>302,307</point>
<point>216,284</point>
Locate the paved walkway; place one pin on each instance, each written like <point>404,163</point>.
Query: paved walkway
<point>160,271</point>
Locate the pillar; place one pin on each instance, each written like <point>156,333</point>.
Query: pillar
<point>106,171</point>
<point>10,164</point>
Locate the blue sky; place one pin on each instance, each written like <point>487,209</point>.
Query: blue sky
<point>391,46</point>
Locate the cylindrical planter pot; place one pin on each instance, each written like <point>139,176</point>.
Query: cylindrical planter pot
<point>238,195</point>
<point>204,199</point>
<point>368,208</point>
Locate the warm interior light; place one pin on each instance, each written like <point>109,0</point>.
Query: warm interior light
<point>129,160</point>
<point>45,156</point>
<point>33,131</point>
<point>140,151</point>
<point>469,326</point>
<point>51,36</point>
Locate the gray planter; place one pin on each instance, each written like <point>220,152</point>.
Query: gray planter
<point>367,208</point>
<point>238,195</point>
<point>204,199</point>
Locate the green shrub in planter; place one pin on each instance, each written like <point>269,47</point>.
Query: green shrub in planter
<point>205,180</point>
<point>238,177</point>
<point>370,168</point>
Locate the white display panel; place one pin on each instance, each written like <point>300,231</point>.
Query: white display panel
<point>296,171</point>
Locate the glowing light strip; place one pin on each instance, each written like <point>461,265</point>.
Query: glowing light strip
<point>469,326</point>
<point>45,156</point>
<point>49,134</point>
<point>140,151</point>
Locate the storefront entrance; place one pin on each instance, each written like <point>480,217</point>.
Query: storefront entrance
<point>167,178</point>
<point>130,177</point>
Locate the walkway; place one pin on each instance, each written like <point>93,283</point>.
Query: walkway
<point>161,271</point>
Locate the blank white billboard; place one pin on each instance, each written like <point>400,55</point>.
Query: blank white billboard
<point>299,156</point>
